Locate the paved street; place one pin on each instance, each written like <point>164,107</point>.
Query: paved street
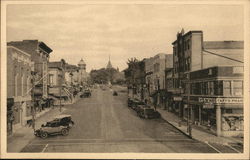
<point>104,123</point>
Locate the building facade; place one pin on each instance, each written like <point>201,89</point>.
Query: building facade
<point>58,90</point>
<point>216,99</point>
<point>155,77</point>
<point>82,74</point>
<point>19,101</point>
<point>191,53</point>
<point>39,53</point>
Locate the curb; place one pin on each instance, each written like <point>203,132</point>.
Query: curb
<point>184,133</point>
<point>191,137</point>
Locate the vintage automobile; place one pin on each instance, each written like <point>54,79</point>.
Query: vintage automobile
<point>64,120</point>
<point>135,104</point>
<point>52,128</point>
<point>87,93</point>
<point>148,113</point>
<point>130,102</point>
<point>115,93</point>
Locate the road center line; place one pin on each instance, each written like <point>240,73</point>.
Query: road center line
<point>45,147</point>
<point>213,147</point>
<point>233,149</point>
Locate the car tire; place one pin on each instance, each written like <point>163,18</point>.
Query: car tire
<point>65,132</point>
<point>44,135</point>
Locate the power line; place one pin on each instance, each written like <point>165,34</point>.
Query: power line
<point>222,56</point>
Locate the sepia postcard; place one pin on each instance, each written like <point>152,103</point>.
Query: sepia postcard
<point>125,79</point>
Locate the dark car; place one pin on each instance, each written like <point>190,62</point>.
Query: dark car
<point>148,113</point>
<point>51,128</point>
<point>115,93</point>
<point>136,103</point>
<point>130,102</point>
<point>140,107</point>
<point>64,120</point>
<point>86,93</point>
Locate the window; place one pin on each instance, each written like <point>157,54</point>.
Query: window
<point>238,88</point>
<point>218,88</point>
<point>16,79</point>
<point>211,88</point>
<point>227,88</point>
<point>22,85</point>
<point>51,79</point>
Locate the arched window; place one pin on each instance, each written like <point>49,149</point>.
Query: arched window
<point>16,80</point>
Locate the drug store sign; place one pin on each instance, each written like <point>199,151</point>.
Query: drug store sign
<point>221,100</point>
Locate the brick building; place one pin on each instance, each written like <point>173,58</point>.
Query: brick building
<point>58,89</point>
<point>216,99</point>
<point>39,53</point>
<point>192,54</point>
<point>155,76</point>
<point>19,102</point>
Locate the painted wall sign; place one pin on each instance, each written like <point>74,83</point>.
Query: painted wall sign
<point>177,98</point>
<point>221,100</point>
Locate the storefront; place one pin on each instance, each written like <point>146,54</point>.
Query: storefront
<point>10,116</point>
<point>222,114</point>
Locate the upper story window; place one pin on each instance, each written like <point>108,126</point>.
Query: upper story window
<point>238,88</point>
<point>226,88</point>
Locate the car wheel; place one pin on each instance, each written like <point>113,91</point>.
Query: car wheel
<point>65,132</point>
<point>44,135</point>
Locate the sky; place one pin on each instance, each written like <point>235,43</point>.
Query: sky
<point>95,31</point>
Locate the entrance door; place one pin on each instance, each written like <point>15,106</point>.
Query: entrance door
<point>23,114</point>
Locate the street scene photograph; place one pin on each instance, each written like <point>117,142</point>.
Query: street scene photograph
<point>124,78</point>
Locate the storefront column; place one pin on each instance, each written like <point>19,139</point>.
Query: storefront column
<point>218,120</point>
<point>199,114</point>
<point>192,113</point>
<point>179,103</point>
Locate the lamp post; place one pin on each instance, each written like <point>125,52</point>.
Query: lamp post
<point>189,122</point>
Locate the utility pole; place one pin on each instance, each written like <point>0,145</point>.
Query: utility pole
<point>60,89</point>
<point>33,99</point>
<point>189,120</point>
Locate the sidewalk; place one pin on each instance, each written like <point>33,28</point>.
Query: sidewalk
<point>197,134</point>
<point>24,135</point>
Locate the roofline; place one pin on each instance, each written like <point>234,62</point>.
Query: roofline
<point>190,32</point>
<point>27,54</point>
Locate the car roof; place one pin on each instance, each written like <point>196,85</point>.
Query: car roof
<point>62,116</point>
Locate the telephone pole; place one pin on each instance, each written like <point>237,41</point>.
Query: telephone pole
<point>33,99</point>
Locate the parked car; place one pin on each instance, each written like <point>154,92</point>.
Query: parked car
<point>52,128</point>
<point>115,93</point>
<point>87,93</point>
<point>135,103</point>
<point>130,102</point>
<point>148,113</point>
<point>140,107</point>
<point>64,120</point>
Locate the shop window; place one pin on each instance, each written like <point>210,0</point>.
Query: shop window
<point>227,88</point>
<point>218,88</point>
<point>229,111</point>
<point>238,88</point>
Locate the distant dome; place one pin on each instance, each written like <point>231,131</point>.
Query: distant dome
<point>81,62</point>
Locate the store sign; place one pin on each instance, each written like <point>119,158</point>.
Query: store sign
<point>208,106</point>
<point>221,100</point>
<point>177,98</point>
